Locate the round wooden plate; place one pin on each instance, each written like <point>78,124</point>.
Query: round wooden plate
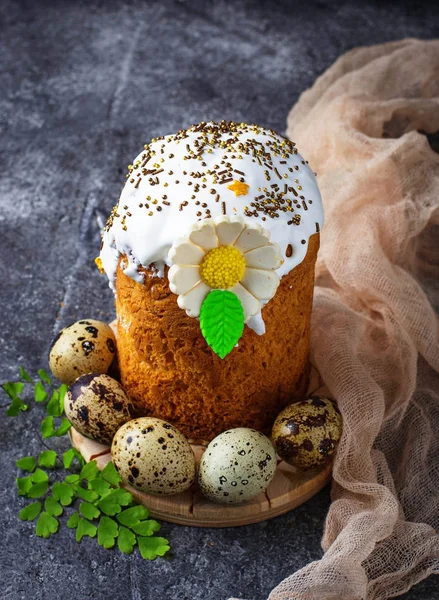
<point>289,488</point>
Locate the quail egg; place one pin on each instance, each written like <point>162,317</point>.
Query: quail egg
<point>96,405</point>
<point>153,456</point>
<point>306,433</point>
<point>83,347</point>
<point>236,466</point>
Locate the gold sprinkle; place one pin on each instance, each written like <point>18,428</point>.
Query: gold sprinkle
<point>240,188</point>
<point>98,262</point>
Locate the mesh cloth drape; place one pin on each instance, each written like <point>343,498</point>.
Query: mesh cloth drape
<point>362,128</point>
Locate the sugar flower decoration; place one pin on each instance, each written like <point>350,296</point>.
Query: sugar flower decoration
<point>219,255</point>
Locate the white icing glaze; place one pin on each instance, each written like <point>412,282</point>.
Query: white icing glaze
<point>154,210</point>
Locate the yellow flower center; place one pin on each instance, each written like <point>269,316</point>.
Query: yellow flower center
<point>222,268</point>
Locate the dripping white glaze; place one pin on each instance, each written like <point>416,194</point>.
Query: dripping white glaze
<point>164,196</point>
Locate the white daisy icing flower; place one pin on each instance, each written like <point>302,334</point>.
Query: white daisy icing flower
<point>225,253</point>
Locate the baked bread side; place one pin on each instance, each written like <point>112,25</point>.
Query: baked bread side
<point>169,371</point>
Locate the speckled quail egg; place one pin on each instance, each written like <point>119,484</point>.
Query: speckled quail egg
<point>236,466</point>
<point>86,346</point>
<point>153,456</point>
<point>96,405</point>
<point>306,433</point>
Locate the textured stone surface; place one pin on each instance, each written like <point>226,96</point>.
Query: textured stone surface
<point>82,86</point>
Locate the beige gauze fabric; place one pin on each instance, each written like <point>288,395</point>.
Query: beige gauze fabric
<point>374,332</point>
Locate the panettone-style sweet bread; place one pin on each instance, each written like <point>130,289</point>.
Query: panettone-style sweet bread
<point>211,252</point>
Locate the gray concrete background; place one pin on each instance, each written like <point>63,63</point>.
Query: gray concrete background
<point>82,86</point>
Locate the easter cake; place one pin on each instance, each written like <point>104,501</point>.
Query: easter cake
<point>210,251</point>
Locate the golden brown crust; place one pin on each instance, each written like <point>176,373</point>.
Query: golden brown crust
<point>169,371</point>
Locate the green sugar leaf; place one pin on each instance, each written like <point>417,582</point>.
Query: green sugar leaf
<point>112,503</point>
<point>146,528</point>
<point>222,321</point>
<point>73,520</point>
<point>42,374</point>
<point>83,528</point>
<point>46,525</point>
<point>30,512</point>
<point>38,489</point>
<point>110,474</point>
<point>13,389</point>
<point>53,507</point>
<point>89,511</point>
<point>63,428</point>
<point>107,532</point>
<point>24,484</point>
<point>47,427</point>
<point>87,495</point>
<point>69,456</point>
<point>132,516</point>
<point>126,540</point>
<point>53,406</point>
<point>39,392</point>
<point>25,377</point>
<point>28,463</point>
<point>90,470</point>
<point>100,486</point>
<point>63,492</point>
<point>151,547</point>
<point>47,459</point>
<point>40,476</point>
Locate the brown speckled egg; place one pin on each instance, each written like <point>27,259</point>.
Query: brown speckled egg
<point>237,466</point>
<point>153,456</point>
<point>306,433</point>
<point>86,346</point>
<point>96,405</point>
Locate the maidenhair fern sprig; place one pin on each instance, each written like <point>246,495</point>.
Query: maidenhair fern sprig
<point>92,502</point>
<point>45,394</point>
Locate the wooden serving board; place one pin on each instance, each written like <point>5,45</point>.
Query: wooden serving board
<point>289,488</point>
